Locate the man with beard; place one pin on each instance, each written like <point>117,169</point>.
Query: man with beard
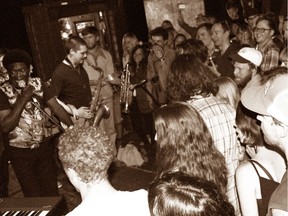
<point>22,123</point>
<point>246,63</point>
<point>98,57</point>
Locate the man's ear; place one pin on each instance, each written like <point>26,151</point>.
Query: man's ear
<point>71,52</point>
<point>227,33</point>
<point>272,32</point>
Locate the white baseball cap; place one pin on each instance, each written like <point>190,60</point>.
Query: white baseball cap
<point>270,98</point>
<point>248,55</point>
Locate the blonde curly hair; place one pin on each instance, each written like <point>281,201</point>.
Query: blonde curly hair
<point>87,151</point>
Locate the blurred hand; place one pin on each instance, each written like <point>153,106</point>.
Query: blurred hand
<point>158,51</point>
<point>27,92</point>
<point>84,112</point>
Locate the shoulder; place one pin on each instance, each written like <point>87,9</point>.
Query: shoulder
<point>60,69</point>
<point>245,170</point>
<point>106,53</point>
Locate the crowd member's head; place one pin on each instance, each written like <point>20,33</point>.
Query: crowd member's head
<point>129,41</point>
<point>200,19</point>
<point>204,34</point>
<point>269,99</point>
<point>265,28</point>
<point>76,49</point>
<point>221,33</point>
<point>245,36</point>
<point>248,129</point>
<point>178,40</point>
<point>228,91</point>
<point>190,77</point>
<point>159,36</point>
<point>232,9</point>
<point>185,144</point>
<point>18,64</point>
<point>246,64</point>
<point>86,155</point>
<point>90,35</point>
<point>181,194</point>
<point>194,47</point>
<point>139,55</point>
<point>251,15</point>
<point>167,24</point>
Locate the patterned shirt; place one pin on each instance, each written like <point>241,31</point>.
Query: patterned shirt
<point>30,129</point>
<point>270,54</point>
<point>219,117</point>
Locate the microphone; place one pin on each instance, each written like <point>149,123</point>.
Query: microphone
<point>138,84</point>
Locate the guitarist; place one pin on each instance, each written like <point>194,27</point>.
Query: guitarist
<point>70,82</point>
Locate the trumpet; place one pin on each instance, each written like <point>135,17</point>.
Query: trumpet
<point>125,92</point>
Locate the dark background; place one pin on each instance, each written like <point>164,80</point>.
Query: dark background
<point>13,31</point>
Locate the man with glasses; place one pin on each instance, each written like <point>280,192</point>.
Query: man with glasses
<point>264,30</point>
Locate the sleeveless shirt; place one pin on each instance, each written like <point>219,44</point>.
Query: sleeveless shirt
<point>267,187</point>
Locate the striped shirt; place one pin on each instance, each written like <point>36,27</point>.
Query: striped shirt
<point>270,54</point>
<point>219,117</point>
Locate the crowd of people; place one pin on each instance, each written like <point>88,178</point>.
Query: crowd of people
<point>211,110</point>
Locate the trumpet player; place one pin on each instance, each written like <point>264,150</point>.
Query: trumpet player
<point>141,111</point>
<point>98,57</point>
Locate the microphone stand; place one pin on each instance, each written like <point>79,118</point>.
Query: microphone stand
<point>49,117</point>
<point>150,95</point>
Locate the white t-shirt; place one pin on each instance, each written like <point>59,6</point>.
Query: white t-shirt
<point>111,203</point>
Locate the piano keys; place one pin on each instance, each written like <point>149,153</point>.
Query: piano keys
<point>32,206</point>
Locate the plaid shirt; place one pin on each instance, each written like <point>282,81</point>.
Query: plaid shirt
<point>220,120</point>
<point>270,54</point>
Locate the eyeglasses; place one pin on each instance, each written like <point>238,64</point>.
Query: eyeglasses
<point>261,30</point>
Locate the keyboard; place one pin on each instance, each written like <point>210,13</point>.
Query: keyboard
<point>32,206</point>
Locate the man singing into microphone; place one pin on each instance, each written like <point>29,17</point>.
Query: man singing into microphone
<point>22,125</point>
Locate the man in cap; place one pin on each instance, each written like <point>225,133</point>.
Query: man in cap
<point>246,63</point>
<point>22,124</point>
<point>270,100</point>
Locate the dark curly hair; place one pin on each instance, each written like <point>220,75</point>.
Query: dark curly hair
<point>189,77</point>
<point>185,144</point>
<point>16,55</point>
